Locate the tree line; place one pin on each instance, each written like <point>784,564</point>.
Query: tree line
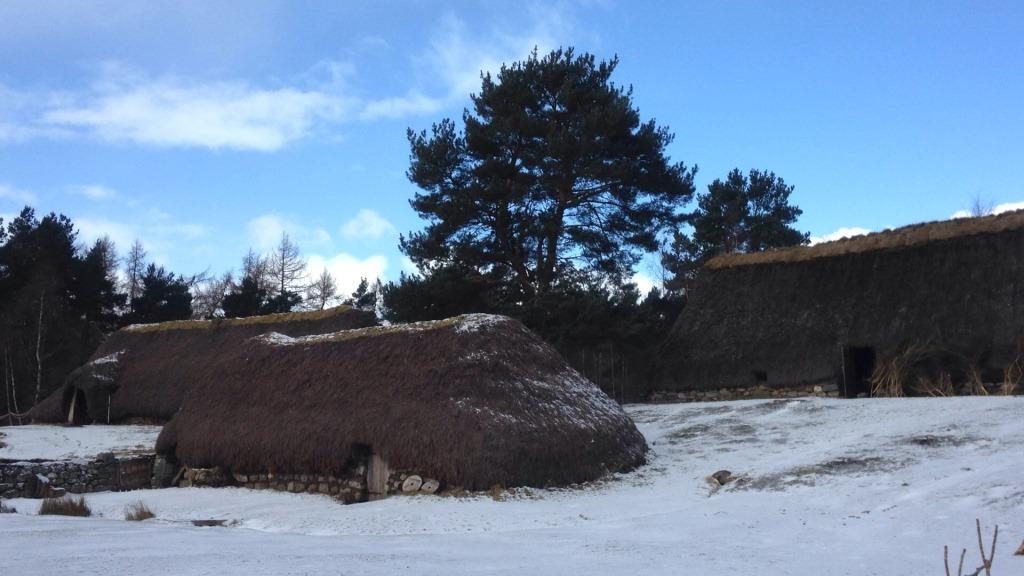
<point>59,297</point>
<point>539,206</point>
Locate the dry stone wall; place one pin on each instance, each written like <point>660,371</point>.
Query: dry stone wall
<point>349,488</point>
<point>828,390</point>
<point>40,479</point>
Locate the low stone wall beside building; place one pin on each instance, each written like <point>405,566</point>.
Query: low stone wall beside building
<point>348,488</point>
<point>827,390</point>
<point>41,479</point>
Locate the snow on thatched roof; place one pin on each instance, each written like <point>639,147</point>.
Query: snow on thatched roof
<point>146,369</point>
<point>474,401</point>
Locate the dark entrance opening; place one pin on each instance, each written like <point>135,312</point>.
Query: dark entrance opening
<point>858,366</point>
<point>76,409</point>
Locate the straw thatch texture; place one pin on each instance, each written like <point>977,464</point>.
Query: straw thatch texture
<point>472,401</point>
<point>895,239</point>
<point>145,370</point>
<point>783,318</point>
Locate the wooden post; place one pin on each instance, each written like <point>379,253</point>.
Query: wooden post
<point>71,411</point>
<point>377,476</point>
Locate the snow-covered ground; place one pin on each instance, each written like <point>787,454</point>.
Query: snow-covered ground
<point>826,487</point>
<point>48,442</point>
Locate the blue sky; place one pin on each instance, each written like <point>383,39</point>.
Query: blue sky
<point>204,128</point>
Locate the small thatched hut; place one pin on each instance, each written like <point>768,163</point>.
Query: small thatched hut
<point>471,401</point>
<point>927,308</point>
<point>144,371</point>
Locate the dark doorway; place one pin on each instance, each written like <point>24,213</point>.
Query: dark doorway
<point>858,366</point>
<point>77,411</point>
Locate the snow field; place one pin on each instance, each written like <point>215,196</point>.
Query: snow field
<point>825,487</point>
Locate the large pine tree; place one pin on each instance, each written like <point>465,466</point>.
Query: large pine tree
<point>553,174</point>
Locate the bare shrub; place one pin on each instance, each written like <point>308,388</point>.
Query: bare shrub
<point>943,387</point>
<point>5,509</point>
<point>926,369</point>
<point>986,561</point>
<point>66,506</point>
<point>977,384</point>
<point>137,512</point>
<point>1012,376</point>
<point>894,371</point>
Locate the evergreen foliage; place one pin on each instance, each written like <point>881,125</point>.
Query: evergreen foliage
<point>247,300</point>
<point>553,174</point>
<point>743,213</point>
<point>164,297</point>
<point>54,301</point>
<point>365,296</point>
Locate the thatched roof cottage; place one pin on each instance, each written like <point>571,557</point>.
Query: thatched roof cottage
<point>926,308</point>
<point>472,401</point>
<point>144,371</point>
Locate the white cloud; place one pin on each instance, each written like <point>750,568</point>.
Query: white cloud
<point>123,105</point>
<point>172,112</point>
<point>845,232</point>
<point>348,269</point>
<point>367,224</point>
<point>458,59</point>
<point>160,238</point>
<point>265,233</point>
<point>93,191</point>
<point>123,234</point>
<point>411,104</point>
<point>17,195</point>
<point>1008,207</point>
<point>997,209</point>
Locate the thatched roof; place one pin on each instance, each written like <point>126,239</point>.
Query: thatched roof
<point>895,239</point>
<point>783,318</point>
<point>146,369</point>
<point>472,401</point>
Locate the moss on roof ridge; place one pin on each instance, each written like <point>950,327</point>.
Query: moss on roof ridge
<point>279,318</point>
<point>905,236</point>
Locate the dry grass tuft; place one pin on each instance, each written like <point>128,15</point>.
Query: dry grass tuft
<point>926,369</point>
<point>894,371</point>
<point>1013,375</point>
<point>497,493</point>
<point>137,512</point>
<point>66,506</point>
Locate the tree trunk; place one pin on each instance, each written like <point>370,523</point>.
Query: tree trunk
<point>14,387</point>
<point>7,382</point>
<point>39,358</point>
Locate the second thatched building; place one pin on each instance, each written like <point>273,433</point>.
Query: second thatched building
<point>933,308</point>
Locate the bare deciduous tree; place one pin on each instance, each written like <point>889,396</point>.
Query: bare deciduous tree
<point>981,206</point>
<point>208,295</point>
<point>134,270</point>
<point>285,267</point>
<point>323,292</point>
<point>256,268</point>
